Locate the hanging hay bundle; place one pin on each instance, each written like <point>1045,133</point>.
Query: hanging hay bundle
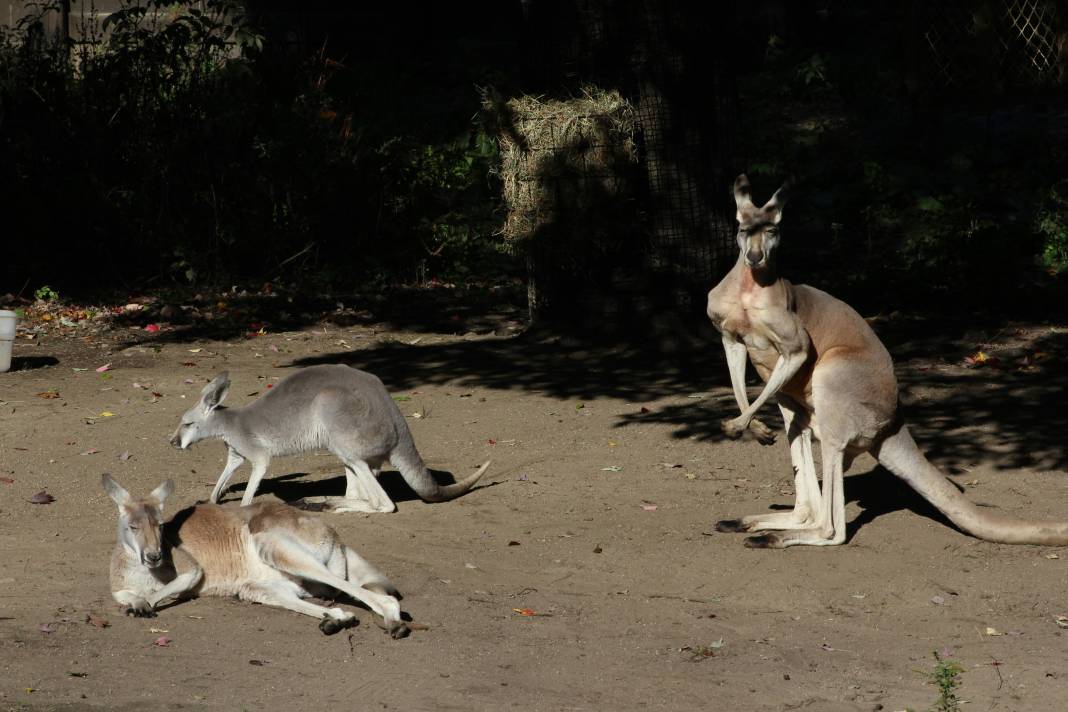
<point>564,164</point>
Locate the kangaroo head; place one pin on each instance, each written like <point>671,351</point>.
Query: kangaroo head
<point>195,423</point>
<point>758,228</point>
<point>140,521</point>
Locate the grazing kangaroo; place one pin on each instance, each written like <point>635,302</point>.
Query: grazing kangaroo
<point>268,553</point>
<point>340,409</point>
<point>834,380</point>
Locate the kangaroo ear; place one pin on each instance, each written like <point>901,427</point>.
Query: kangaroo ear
<point>741,194</point>
<point>162,492</point>
<point>114,490</point>
<point>773,208</point>
<point>215,392</point>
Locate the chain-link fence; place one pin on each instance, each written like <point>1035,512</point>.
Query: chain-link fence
<point>668,59</point>
<point>1011,45</point>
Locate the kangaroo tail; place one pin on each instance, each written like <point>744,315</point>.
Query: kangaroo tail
<point>899,454</point>
<point>411,466</point>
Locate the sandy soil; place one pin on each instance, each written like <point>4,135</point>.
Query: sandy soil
<point>608,475</point>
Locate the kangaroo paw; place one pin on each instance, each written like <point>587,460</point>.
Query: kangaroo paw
<point>732,428</point>
<point>141,612</point>
<point>764,541</point>
<point>730,526</point>
<point>329,625</point>
<point>399,630</point>
<point>764,434</point>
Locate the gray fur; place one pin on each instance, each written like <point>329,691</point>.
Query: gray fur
<point>329,407</point>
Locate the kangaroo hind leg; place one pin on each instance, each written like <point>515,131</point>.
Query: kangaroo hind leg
<point>807,502</point>
<point>287,594</point>
<point>829,527</point>
<point>290,556</point>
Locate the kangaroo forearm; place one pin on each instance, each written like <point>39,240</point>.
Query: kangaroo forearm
<point>736,357</point>
<point>785,369</point>
<point>183,583</point>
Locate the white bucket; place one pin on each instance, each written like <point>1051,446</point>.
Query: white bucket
<point>7,338</point>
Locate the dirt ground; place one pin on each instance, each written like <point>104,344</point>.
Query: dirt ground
<point>608,475</point>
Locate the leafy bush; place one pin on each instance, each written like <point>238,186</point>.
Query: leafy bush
<point>1051,222</point>
<point>182,144</point>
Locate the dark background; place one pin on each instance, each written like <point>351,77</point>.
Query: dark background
<point>347,150</point>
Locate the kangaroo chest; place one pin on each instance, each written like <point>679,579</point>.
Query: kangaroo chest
<point>745,315</point>
<point>750,313</point>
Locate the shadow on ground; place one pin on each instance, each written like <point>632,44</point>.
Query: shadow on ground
<point>1005,416</point>
<point>295,486</point>
<point>187,318</point>
<point>30,363</point>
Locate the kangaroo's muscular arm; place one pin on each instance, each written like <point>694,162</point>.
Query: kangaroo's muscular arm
<point>736,356</point>
<point>783,328</point>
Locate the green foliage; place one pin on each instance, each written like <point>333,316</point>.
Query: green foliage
<point>813,71</point>
<point>46,294</point>
<point>946,677</point>
<point>1051,223</point>
<point>182,143</point>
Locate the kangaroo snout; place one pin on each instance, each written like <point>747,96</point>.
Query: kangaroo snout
<point>754,258</point>
<point>176,441</point>
<point>152,558</point>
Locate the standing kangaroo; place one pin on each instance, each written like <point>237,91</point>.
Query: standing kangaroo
<point>334,407</point>
<point>834,380</point>
<point>268,553</point>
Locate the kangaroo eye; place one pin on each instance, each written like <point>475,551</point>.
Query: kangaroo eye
<point>134,528</point>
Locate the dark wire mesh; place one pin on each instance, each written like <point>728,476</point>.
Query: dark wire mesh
<point>1014,44</point>
<point>668,58</point>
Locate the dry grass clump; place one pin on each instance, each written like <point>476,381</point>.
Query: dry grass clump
<point>562,159</point>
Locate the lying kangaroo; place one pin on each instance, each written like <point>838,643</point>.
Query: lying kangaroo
<point>341,409</point>
<point>268,553</point>
<point>834,379</point>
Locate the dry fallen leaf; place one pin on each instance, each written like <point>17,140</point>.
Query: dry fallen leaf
<point>162,641</point>
<point>530,612</point>
<point>107,414</point>
<point>91,451</point>
<point>612,468</point>
<point>103,368</point>
<point>991,631</point>
<point>7,480</point>
<point>49,395</point>
<point>938,600</point>
<point>158,630</point>
<point>42,497</point>
<point>47,628</point>
<point>648,507</point>
<point>1061,621</point>
<point>97,621</point>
